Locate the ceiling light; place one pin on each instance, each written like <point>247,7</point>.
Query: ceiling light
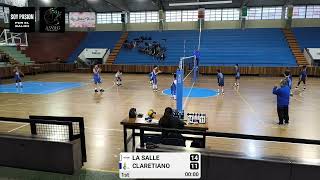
<point>46,1</point>
<point>199,3</point>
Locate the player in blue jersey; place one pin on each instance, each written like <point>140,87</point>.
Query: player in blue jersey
<point>174,87</point>
<point>97,78</point>
<point>288,79</point>
<point>303,77</point>
<point>220,78</point>
<point>17,77</point>
<point>154,78</point>
<point>237,75</point>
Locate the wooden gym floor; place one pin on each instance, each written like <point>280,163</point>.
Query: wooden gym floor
<point>251,110</point>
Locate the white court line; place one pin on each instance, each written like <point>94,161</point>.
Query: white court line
<point>185,101</point>
<point>9,122</point>
<point>297,99</point>
<point>188,74</point>
<point>245,101</point>
<point>18,128</point>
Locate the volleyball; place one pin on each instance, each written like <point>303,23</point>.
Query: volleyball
<point>151,113</point>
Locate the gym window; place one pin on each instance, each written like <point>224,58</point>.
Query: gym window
<point>152,16</point>
<point>230,14</point>
<point>189,15</point>
<point>313,11</point>
<point>254,13</point>
<point>213,15</point>
<point>173,16</point>
<point>137,17</point>
<point>116,18</point>
<point>108,18</point>
<point>299,12</point>
<point>104,18</point>
<point>272,12</point>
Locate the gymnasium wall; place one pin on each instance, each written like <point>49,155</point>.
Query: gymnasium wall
<point>7,72</point>
<point>306,23</point>
<point>207,25</point>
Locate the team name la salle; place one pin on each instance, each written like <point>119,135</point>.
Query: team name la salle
<point>146,157</point>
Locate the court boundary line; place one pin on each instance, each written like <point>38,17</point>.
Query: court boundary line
<point>186,100</point>
<point>10,122</point>
<point>188,74</point>
<point>17,128</point>
<point>245,101</point>
<point>57,92</point>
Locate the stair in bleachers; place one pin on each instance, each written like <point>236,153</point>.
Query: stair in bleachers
<point>117,48</point>
<point>295,48</point>
<point>226,47</point>
<point>16,57</point>
<point>97,39</point>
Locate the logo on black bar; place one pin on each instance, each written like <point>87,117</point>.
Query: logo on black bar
<point>52,19</point>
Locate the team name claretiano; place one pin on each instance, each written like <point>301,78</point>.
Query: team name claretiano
<point>151,165</point>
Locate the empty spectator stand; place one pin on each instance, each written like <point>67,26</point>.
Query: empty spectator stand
<point>48,47</point>
<point>308,37</point>
<point>98,39</point>
<point>225,47</point>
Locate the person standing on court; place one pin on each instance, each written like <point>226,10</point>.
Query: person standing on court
<point>154,78</point>
<point>97,78</point>
<point>237,75</point>
<point>283,99</point>
<point>303,77</point>
<point>288,79</point>
<point>220,79</point>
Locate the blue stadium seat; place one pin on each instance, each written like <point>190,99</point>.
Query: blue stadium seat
<point>98,39</point>
<point>253,47</point>
<point>308,37</point>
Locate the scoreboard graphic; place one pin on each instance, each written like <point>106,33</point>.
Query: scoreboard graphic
<point>160,165</point>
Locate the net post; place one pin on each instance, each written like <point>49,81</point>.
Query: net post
<point>179,93</point>
<point>195,71</point>
<point>33,127</point>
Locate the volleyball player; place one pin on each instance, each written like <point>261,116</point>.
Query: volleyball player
<point>17,77</point>
<point>220,78</point>
<point>288,79</point>
<point>154,78</point>
<point>118,78</point>
<point>237,75</point>
<point>303,77</point>
<point>174,87</point>
<point>97,79</point>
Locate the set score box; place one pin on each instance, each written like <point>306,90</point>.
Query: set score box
<point>158,165</point>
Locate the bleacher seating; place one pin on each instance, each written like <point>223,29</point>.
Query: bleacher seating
<point>47,47</point>
<point>249,47</point>
<point>308,37</point>
<point>98,39</point>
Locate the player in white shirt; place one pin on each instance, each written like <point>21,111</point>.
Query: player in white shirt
<point>118,78</point>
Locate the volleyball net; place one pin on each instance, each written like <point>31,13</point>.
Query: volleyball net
<point>187,73</point>
<point>188,69</point>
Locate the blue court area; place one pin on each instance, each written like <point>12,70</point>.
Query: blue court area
<point>31,87</point>
<point>195,92</point>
